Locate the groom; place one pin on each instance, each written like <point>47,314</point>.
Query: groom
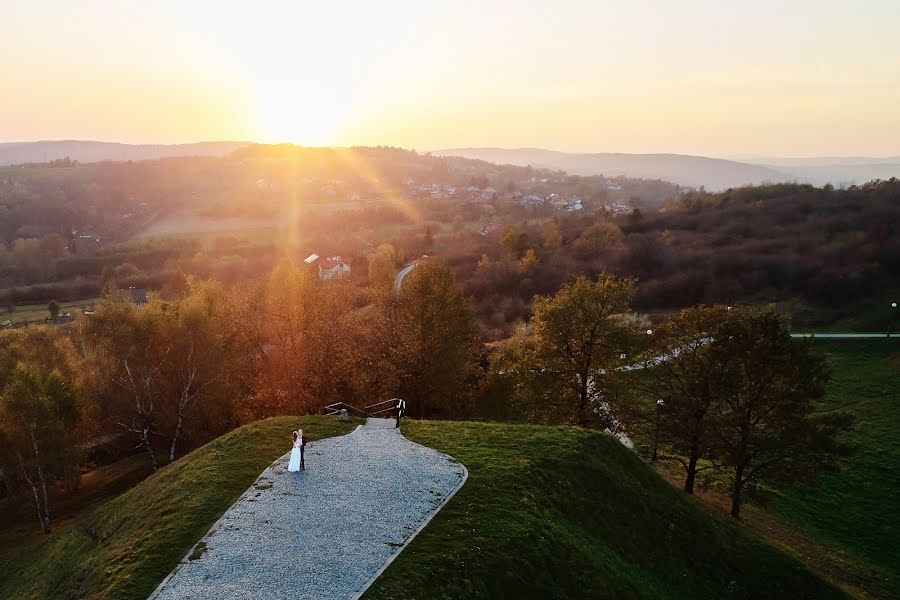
<point>302,439</point>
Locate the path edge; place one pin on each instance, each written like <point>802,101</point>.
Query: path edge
<point>215,525</point>
<point>421,526</point>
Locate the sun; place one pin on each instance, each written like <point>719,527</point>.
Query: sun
<point>306,109</point>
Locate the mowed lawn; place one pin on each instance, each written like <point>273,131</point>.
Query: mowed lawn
<point>124,548</point>
<point>563,512</point>
<point>857,511</point>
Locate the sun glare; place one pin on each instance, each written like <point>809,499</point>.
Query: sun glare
<point>302,108</point>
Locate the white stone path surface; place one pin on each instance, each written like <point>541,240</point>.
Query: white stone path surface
<point>326,532</point>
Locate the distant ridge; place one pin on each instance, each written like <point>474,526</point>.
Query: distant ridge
<point>13,153</point>
<point>695,171</point>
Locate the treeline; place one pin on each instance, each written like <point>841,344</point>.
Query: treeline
<point>823,246</point>
<point>202,358</point>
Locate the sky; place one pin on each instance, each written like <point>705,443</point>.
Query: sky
<point>715,78</point>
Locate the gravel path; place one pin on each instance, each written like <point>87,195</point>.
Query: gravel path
<point>326,532</point>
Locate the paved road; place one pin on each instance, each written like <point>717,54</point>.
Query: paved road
<point>398,280</point>
<point>893,336</point>
<point>326,532</point>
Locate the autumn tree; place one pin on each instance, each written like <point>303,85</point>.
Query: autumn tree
<point>308,342</point>
<point>425,342</point>
<point>513,240</point>
<point>597,239</point>
<point>682,387</point>
<point>767,385</point>
<point>552,234</point>
<point>53,309</point>
<point>43,419</point>
<point>129,358</point>
<point>382,268</point>
<point>574,347</point>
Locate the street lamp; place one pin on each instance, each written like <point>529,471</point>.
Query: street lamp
<point>656,433</point>
<point>891,318</point>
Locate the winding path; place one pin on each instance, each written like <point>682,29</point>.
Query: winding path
<point>326,532</point>
<point>401,275</point>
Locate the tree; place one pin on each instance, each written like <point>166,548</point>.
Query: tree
<point>575,344</point>
<point>513,240</point>
<point>176,287</point>
<point>200,370</point>
<point>382,268</point>
<point>767,387</point>
<point>308,342</point>
<point>426,342</point>
<point>552,235</point>
<point>597,239</point>
<point>53,309</point>
<point>682,385</point>
<point>129,359</point>
<point>529,261</point>
<point>42,415</point>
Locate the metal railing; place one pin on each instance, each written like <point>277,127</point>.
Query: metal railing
<point>385,408</point>
<point>380,408</point>
<point>337,407</point>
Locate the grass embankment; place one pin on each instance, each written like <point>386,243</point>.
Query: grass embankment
<point>857,510</point>
<point>128,545</point>
<point>556,512</point>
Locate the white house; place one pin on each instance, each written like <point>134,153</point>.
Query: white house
<point>333,267</point>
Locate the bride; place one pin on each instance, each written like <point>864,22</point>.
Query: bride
<point>294,464</point>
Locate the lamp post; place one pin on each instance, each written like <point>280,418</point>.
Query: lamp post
<point>656,432</point>
<point>891,318</point>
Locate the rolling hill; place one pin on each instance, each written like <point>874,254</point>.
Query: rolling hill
<point>694,171</point>
<point>713,173</point>
<point>13,153</point>
<point>546,512</point>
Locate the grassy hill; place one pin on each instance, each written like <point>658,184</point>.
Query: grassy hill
<point>547,512</point>
<point>856,511</point>
<point>567,513</point>
<point>127,546</point>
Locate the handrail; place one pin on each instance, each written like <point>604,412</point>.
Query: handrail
<point>392,402</point>
<point>335,409</point>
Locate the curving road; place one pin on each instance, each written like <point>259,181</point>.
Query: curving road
<point>401,275</point>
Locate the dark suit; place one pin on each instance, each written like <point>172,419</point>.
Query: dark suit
<point>302,451</point>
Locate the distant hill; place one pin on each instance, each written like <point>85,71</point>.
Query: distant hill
<point>713,173</point>
<point>89,151</point>
<point>836,170</point>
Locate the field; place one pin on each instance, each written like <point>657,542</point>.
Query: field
<point>855,512</point>
<point>128,545</point>
<point>38,312</point>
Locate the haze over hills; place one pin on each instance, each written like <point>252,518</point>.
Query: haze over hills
<point>712,173</point>
<point>13,153</point>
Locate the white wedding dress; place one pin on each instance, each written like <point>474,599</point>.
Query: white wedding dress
<point>294,464</point>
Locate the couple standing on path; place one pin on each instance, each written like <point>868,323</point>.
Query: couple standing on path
<point>299,445</point>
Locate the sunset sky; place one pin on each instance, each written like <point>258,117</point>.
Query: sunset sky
<point>712,77</point>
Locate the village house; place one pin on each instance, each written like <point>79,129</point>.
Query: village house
<point>333,267</point>
<point>489,194</point>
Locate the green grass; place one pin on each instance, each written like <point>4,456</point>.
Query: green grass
<point>37,312</point>
<point>129,544</point>
<point>857,510</point>
<point>567,513</point>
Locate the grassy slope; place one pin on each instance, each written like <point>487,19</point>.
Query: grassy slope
<point>857,510</point>
<point>126,547</point>
<point>567,513</point>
